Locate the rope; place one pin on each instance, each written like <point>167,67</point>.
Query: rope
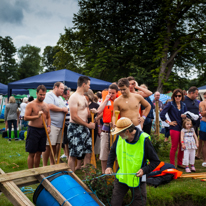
<point>27,190</point>
<point>111,175</point>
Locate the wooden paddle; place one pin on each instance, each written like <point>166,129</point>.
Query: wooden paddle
<point>45,127</point>
<point>58,158</point>
<point>93,160</point>
<point>111,138</point>
<point>117,112</point>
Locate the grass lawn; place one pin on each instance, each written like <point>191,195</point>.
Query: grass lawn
<point>178,192</point>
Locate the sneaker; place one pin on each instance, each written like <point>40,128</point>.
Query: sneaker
<point>193,169</point>
<point>63,156</point>
<point>9,139</point>
<point>16,139</point>
<point>204,164</point>
<point>187,169</point>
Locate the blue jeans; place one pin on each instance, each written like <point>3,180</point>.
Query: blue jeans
<point>14,122</point>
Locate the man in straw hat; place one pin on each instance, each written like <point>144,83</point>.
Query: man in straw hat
<point>132,148</point>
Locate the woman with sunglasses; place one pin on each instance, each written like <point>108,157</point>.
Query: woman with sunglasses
<point>175,109</point>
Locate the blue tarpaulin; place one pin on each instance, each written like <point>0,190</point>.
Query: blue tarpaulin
<point>48,79</point>
<point>163,98</point>
<point>4,90</point>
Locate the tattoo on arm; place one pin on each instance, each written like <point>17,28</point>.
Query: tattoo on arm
<point>201,109</point>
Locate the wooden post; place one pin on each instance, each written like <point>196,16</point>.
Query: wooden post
<point>93,160</point>
<point>48,138</point>
<point>14,194</point>
<point>157,118</point>
<point>116,118</point>
<point>60,146</point>
<point>111,137</point>
<point>53,191</point>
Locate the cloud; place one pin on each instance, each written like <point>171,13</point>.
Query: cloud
<point>12,11</point>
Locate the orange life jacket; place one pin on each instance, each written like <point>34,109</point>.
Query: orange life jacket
<point>175,172</point>
<point>108,110</point>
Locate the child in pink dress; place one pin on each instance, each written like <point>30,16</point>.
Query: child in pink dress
<point>189,144</point>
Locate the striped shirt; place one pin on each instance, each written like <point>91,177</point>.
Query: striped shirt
<point>68,114</point>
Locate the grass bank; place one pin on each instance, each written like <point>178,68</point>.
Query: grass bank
<point>176,193</point>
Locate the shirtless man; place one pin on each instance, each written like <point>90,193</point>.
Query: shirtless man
<point>80,141</point>
<point>202,132</point>
<point>36,135</point>
<point>128,104</point>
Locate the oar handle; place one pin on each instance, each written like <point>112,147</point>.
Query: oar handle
<point>45,127</point>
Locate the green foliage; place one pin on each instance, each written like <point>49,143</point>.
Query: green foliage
<point>147,39</point>
<point>49,58</point>
<point>8,64</point>
<point>29,61</point>
<point>101,186</point>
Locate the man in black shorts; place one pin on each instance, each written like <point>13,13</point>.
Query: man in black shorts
<point>36,135</point>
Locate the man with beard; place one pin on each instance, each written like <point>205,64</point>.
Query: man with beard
<point>36,135</point>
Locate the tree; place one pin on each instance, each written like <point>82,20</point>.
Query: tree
<point>108,38</point>
<point>29,61</point>
<point>49,58</point>
<point>184,24</point>
<point>7,61</point>
<point>148,39</point>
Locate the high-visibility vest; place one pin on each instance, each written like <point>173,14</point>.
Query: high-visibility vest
<point>130,159</point>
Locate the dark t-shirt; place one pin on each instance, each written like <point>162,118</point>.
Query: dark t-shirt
<point>161,105</point>
<point>193,106</point>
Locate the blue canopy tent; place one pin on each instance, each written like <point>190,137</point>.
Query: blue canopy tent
<point>4,90</point>
<point>201,91</point>
<point>48,79</point>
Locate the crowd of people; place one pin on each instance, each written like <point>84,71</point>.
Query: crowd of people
<point>132,148</point>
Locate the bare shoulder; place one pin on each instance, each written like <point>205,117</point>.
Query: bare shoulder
<point>74,97</point>
<point>118,99</point>
<point>203,103</point>
<point>138,96</point>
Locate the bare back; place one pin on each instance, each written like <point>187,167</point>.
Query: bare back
<point>202,108</point>
<point>129,107</point>
<point>79,104</point>
<point>33,108</point>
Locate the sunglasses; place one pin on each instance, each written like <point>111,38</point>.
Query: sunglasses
<point>178,95</point>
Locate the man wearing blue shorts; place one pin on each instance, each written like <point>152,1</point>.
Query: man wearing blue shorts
<point>202,133</point>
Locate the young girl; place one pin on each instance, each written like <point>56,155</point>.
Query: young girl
<point>188,139</point>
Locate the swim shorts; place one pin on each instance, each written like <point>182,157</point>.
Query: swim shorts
<point>36,140</point>
<point>202,132</point>
<point>80,141</point>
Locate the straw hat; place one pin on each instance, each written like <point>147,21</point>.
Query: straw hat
<point>122,124</point>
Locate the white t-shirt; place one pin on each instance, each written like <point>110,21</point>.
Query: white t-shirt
<point>57,118</point>
<point>22,108</point>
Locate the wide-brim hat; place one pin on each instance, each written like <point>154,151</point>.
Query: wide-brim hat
<point>122,124</point>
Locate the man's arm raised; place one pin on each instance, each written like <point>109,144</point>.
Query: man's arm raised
<point>143,92</point>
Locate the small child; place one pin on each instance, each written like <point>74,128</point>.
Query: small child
<point>188,139</point>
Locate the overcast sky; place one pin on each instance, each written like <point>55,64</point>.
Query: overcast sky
<point>38,22</point>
